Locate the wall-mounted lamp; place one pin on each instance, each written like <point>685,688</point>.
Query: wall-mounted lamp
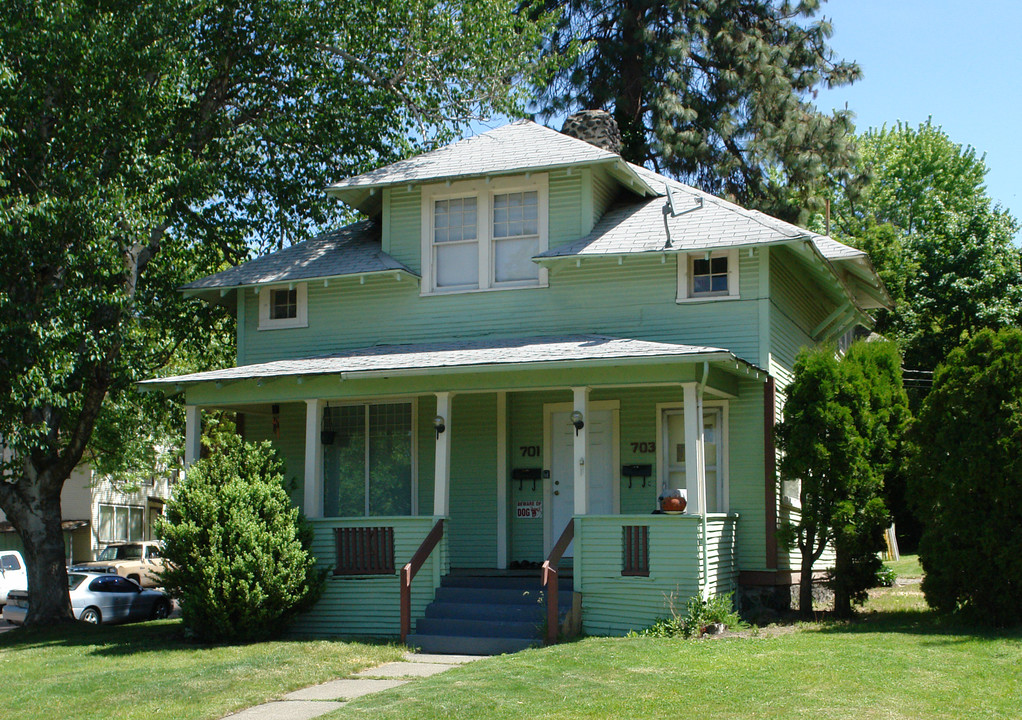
<point>438,425</point>
<point>577,421</point>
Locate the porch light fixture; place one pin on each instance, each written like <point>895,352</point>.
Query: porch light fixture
<point>577,421</point>
<point>438,425</point>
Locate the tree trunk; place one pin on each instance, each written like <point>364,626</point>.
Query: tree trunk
<point>842,597</point>
<point>35,514</point>
<point>805,585</point>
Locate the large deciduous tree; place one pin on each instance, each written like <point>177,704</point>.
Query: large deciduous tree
<point>715,92</point>
<point>145,143</point>
<point>943,247</point>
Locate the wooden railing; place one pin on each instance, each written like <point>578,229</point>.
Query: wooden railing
<point>551,586</point>
<point>408,574</point>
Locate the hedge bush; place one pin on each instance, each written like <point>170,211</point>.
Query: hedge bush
<point>967,480</point>
<point>237,549</point>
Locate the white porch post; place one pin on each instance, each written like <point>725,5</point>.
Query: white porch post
<point>442,469</point>
<point>581,398</point>
<point>694,463</point>
<point>193,434</point>
<point>313,459</point>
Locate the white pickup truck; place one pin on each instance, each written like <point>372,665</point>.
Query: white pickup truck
<point>13,575</point>
<point>138,561</point>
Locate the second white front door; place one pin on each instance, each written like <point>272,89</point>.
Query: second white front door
<point>599,468</point>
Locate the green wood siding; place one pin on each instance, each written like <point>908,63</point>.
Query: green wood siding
<point>633,300</point>
<point>473,524</point>
<point>612,604</point>
<point>370,605</point>
<point>290,444</point>
<point>566,221</point>
<point>747,474</point>
<point>605,191</point>
<point>404,241</point>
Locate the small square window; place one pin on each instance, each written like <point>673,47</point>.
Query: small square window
<point>708,276</point>
<point>283,304</point>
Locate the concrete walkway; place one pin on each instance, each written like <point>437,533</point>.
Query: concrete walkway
<point>318,700</point>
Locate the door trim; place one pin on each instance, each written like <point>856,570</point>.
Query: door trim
<point>614,406</point>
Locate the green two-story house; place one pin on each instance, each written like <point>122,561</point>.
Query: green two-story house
<point>529,334</point>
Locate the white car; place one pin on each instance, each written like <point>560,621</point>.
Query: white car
<point>13,575</point>
<point>100,598</point>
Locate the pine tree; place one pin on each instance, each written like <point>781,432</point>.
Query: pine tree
<point>715,92</point>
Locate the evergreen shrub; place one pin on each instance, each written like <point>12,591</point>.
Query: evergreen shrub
<point>237,548</point>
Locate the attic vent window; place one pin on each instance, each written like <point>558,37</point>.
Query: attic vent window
<point>284,307</point>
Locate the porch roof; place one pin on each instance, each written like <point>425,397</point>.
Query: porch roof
<point>467,355</point>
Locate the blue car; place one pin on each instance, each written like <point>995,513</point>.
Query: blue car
<point>99,598</point>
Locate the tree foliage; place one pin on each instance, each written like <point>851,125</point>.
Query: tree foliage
<point>942,246</point>
<point>967,480</point>
<point>837,447</point>
<point>715,92</point>
<point>237,550</point>
<point>145,144</point>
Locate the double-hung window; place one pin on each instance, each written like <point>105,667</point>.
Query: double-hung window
<point>708,275</point>
<point>482,235</point>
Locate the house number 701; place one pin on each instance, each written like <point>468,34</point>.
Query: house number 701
<point>529,450</point>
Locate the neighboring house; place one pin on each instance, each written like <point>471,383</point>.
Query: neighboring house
<point>96,511</point>
<point>529,331</point>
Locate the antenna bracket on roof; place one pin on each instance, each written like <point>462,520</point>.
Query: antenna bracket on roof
<point>672,208</point>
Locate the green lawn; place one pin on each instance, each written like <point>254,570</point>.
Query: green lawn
<point>896,661</point>
<point>906,568</point>
<point>147,671</point>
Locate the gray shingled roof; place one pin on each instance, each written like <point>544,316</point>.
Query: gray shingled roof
<point>352,250</point>
<point>515,148</point>
<point>465,354</point>
<point>639,226</point>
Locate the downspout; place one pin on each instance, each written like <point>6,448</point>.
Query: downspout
<point>704,590</point>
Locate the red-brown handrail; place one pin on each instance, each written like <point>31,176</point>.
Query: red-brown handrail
<point>409,571</point>
<point>550,584</point>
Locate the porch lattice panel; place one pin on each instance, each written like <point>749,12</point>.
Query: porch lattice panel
<point>364,551</point>
<point>635,550</point>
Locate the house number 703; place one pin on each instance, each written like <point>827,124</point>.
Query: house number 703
<point>529,450</point>
<point>643,447</point>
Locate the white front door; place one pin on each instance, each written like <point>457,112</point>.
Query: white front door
<point>599,467</point>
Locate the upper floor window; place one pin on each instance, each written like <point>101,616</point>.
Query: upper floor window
<point>284,307</point>
<point>708,276</point>
<point>481,235</point>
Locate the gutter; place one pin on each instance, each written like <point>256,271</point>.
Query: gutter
<point>704,589</point>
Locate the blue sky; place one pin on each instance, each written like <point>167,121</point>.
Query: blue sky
<point>959,62</point>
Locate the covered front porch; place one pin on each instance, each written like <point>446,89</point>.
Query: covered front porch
<point>507,444</point>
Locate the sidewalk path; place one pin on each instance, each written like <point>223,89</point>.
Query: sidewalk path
<point>318,700</point>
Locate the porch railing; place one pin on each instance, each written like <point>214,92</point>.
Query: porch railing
<point>551,585</point>
<point>409,571</point>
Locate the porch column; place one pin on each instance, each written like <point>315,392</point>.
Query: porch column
<point>193,434</point>
<point>694,461</point>
<point>442,469</point>
<point>502,462</point>
<point>581,397</point>
<point>313,459</point>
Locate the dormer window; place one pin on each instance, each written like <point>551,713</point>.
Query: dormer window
<point>482,235</point>
<point>708,276</point>
<point>284,307</point>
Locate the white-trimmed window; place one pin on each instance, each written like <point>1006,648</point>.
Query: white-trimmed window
<point>284,306</point>
<point>120,523</point>
<point>368,463</point>
<point>673,455</point>
<point>708,275</point>
<point>482,235</point>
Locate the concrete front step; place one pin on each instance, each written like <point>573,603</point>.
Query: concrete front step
<point>464,645</point>
<point>476,628</point>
